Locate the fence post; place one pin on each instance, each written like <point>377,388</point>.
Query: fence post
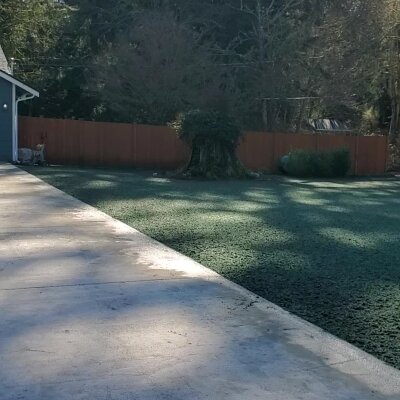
<point>386,154</point>
<point>134,144</point>
<point>356,157</point>
<point>274,160</point>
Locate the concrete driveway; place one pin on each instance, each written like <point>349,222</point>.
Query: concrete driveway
<point>92,309</point>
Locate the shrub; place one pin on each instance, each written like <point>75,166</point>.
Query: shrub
<point>319,164</point>
<point>341,162</point>
<point>213,137</point>
<point>204,126</point>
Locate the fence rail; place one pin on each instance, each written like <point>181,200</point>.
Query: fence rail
<point>73,142</point>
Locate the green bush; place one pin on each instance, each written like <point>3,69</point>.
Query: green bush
<point>198,126</point>
<point>213,137</point>
<point>341,162</point>
<point>318,164</point>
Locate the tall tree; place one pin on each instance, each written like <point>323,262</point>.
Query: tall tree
<point>156,69</point>
<point>29,32</point>
<point>391,48</point>
<point>249,56</point>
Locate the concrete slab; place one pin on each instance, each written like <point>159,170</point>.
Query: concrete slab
<point>93,309</point>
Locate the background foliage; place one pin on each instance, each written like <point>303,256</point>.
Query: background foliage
<point>146,61</point>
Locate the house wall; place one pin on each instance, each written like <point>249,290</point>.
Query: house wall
<point>6,119</point>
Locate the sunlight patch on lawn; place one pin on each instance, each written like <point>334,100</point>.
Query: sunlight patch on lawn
<point>261,194</point>
<point>353,239</point>
<point>221,217</point>
<point>100,184</point>
<point>338,209</point>
<point>158,180</point>
<point>307,198</point>
<point>251,206</point>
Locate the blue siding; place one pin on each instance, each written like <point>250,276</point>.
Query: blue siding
<point>5,121</point>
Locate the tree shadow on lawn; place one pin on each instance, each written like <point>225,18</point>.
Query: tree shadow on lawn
<point>325,251</point>
<point>86,337</point>
<point>141,341</point>
<point>346,281</point>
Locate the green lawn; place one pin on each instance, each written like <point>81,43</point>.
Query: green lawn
<point>327,251</point>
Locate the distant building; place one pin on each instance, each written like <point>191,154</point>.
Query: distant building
<point>328,125</point>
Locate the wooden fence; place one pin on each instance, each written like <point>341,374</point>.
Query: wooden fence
<point>72,142</point>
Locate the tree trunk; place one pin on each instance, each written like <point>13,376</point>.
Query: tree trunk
<point>395,121</point>
<point>214,160</point>
<point>265,114</point>
<point>300,116</point>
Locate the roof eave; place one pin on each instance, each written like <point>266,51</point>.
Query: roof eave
<point>18,83</point>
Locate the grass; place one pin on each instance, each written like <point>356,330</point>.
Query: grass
<point>327,251</point>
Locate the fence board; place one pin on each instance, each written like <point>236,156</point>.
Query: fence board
<point>256,151</point>
<point>371,157</point>
<point>73,142</point>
